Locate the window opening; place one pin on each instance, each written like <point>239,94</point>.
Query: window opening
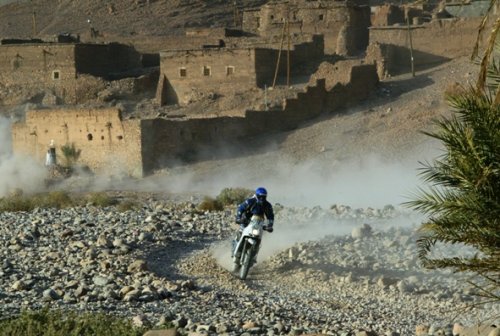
<point>321,17</point>
<point>182,72</point>
<point>89,137</point>
<point>229,70</point>
<point>56,74</point>
<point>206,71</point>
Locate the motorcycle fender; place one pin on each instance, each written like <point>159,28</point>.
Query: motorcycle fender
<point>251,241</point>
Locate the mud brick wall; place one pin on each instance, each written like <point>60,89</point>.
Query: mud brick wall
<point>67,70</point>
<point>107,143</point>
<point>38,66</point>
<point>105,59</point>
<point>186,74</point>
<point>388,15</point>
<point>251,20</point>
<point>139,147</point>
<point>301,56</point>
<point>448,38</point>
<point>171,142</point>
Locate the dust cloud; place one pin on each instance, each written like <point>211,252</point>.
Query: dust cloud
<point>17,171</point>
<point>370,181</point>
<point>363,182</point>
<point>288,234</point>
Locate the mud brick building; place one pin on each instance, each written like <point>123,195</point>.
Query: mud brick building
<point>344,24</point>
<point>141,146</point>
<point>105,140</point>
<point>72,71</point>
<point>185,74</point>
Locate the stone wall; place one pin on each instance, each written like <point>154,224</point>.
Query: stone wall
<point>106,141</point>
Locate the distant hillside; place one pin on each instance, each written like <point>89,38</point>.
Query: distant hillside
<point>120,17</point>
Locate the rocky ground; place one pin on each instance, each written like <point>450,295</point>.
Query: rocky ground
<point>322,270</point>
<point>336,270</point>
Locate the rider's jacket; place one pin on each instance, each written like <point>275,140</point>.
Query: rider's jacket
<point>252,206</point>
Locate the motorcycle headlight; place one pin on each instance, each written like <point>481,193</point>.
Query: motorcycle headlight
<point>255,232</point>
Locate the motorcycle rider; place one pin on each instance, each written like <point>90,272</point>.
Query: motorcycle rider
<point>255,205</point>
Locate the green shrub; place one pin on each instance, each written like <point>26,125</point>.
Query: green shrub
<point>19,202</point>
<point>210,204</point>
<point>54,199</point>
<point>230,196</point>
<point>127,205</point>
<point>54,323</point>
<point>16,203</point>
<point>58,200</point>
<point>101,199</point>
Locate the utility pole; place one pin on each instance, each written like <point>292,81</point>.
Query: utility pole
<point>236,14</point>
<point>288,53</point>
<point>411,47</point>
<point>279,54</point>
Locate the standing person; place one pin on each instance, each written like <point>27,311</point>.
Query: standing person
<point>50,157</point>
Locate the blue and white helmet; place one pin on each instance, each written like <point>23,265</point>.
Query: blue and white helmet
<point>261,193</point>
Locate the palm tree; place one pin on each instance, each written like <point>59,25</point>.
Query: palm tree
<point>486,59</point>
<point>71,154</point>
<point>463,199</point>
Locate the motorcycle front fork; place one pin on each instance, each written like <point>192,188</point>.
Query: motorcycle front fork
<point>235,242</point>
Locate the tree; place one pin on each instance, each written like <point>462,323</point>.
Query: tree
<point>463,199</point>
<point>71,154</point>
<point>487,60</point>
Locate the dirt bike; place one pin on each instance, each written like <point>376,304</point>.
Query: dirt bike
<point>245,248</point>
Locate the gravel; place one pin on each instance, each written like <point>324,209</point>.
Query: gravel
<point>338,271</point>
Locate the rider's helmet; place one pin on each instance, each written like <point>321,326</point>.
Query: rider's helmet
<point>261,194</point>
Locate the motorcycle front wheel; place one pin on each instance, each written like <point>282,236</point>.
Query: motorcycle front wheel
<point>245,266</point>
